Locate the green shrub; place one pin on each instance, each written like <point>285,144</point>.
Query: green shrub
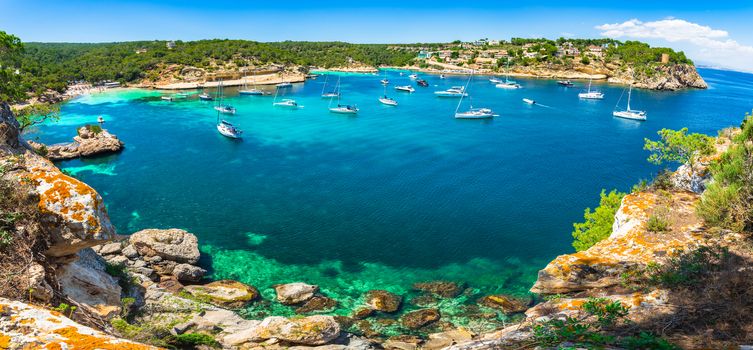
<point>598,223</point>
<point>678,146</point>
<point>94,129</point>
<point>607,312</point>
<point>646,341</point>
<point>6,238</point>
<point>728,199</point>
<point>658,221</point>
<point>663,180</point>
<point>194,339</point>
<point>688,268</point>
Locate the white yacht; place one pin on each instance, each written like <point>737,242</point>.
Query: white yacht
<point>283,85</point>
<point>206,97</point>
<point>344,109</point>
<point>167,98</point>
<point>228,130</point>
<point>455,91</point>
<point>290,103</point>
<point>251,92</point>
<point>591,94</point>
<point>220,107</point>
<point>387,101</point>
<point>471,113</point>
<point>507,83</point>
<point>629,113</point>
<point>413,76</point>
<point>406,88</point>
<point>384,82</point>
<point>333,93</point>
<point>495,80</point>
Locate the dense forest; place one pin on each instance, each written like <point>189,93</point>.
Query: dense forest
<point>38,67</point>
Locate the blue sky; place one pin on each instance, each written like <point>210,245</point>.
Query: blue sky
<point>716,33</point>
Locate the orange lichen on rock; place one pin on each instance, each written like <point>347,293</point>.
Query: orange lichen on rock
<point>4,341</point>
<point>629,246</point>
<point>76,340</point>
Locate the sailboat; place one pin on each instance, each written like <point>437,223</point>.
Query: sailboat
<point>222,108</point>
<point>591,94</point>
<point>387,100</point>
<point>472,113</point>
<point>342,109</point>
<point>384,81</point>
<point>246,91</point>
<point>507,84</point>
<point>286,102</point>
<point>227,129</point>
<point>331,94</point>
<point>283,84</point>
<point>629,113</point>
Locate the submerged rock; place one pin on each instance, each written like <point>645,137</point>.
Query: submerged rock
<point>317,303</point>
<point>382,300</point>
<point>295,293</point>
<point>419,318</point>
<point>505,303</point>
<point>443,289</point>
<point>171,244</point>
<point>225,293</point>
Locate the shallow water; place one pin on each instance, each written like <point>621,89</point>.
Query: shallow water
<point>393,196</point>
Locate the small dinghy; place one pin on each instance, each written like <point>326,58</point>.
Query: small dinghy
<point>529,101</point>
<point>206,97</point>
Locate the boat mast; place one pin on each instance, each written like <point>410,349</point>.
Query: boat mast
<point>630,92</point>
<point>326,77</point>
<point>463,93</point>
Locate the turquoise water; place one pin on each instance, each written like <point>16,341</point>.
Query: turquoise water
<point>393,196</point>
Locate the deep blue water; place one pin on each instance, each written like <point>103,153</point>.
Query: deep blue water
<point>394,195</point>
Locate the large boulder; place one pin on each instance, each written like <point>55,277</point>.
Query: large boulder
<point>225,293</point>
<point>188,273</point>
<point>73,213</point>
<point>311,330</point>
<point>29,327</point>
<point>295,293</point>
<point>86,282</point>
<point>171,244</point>
<point>382,300</point>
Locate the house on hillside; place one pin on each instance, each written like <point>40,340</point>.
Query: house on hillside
<point>140,51</point>
<point>170,45</point>
<point>444,54</point>
<point>596,51</point>
<point>424,54</point>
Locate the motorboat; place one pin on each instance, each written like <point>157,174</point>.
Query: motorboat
<point>290,103</point>
<point>206,97</point>
<point>495,81</point>
<point>406,88</point>
<point>251,92</point>
<point>508,85</point>
<point>167,98</point>
<point>455,91</point>
<point>567,83</point>
<point>283,85</point>
<point>384,81</point>
<point>529,101</point>
<point>422,82</point>
<point>413,76</point>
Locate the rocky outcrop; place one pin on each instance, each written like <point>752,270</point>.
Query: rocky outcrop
<point>630,245</point>
<point>86,282</point>
<point>173,244</point>
<point>312,330</point>
<point>31,327</point>
<point>295,293</point>
<point>665,77</point>
<point>91,141</point>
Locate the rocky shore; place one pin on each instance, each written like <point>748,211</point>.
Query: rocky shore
<point>79,282</point>
<point>91,141</point>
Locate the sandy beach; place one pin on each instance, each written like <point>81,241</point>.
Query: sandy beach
<point>265,79</point>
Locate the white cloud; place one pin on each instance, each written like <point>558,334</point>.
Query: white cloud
<point>701,42</point>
